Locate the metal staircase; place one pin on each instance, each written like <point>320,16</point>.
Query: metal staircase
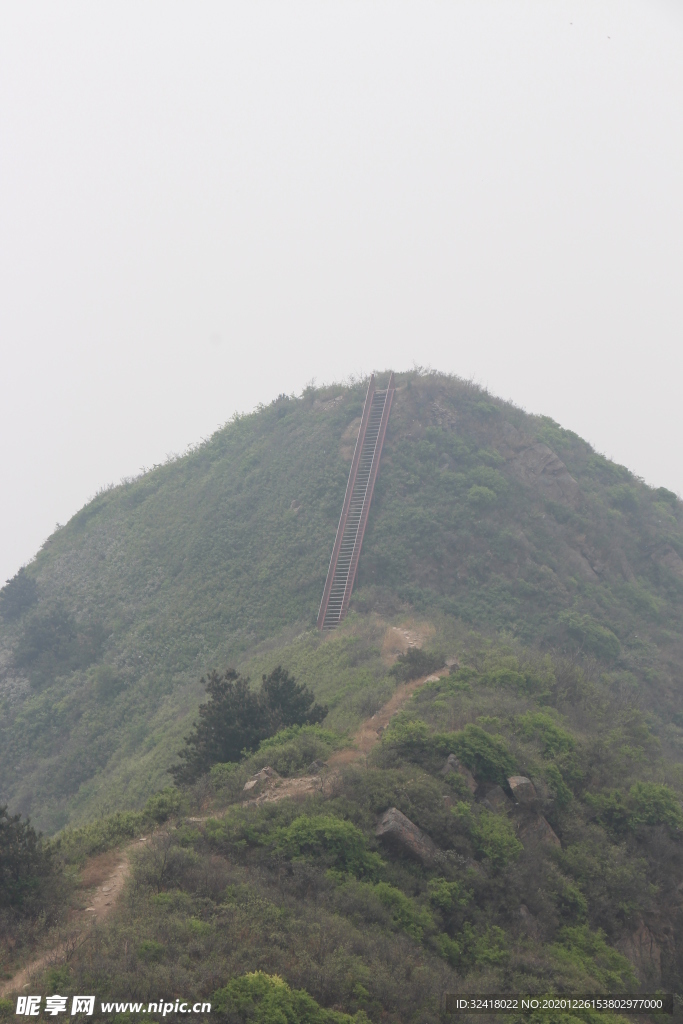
<point>346,551</point>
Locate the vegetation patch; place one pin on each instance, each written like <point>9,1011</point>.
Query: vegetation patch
<point>267,999</point>
<point>236,719</point>
<point>416,663</point>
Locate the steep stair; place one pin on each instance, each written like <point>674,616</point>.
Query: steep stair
<point>364,467</point>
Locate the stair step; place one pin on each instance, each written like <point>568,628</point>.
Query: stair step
<point>342,570</point>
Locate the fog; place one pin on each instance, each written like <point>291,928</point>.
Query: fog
<point>204,205</point>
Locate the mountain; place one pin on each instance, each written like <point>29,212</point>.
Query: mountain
<point>493,801</point>
<point>484,518</point>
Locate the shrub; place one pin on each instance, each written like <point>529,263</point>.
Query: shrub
<point>406,915</point>
<point>667,496</point>
<point>294,748</point>
<point>475,950</point>
<point>540,725</point>
<point>74,845</point>
<point>481,497</point>
<point>492,835</point>
<point>336,841</point>
<point>58,978</point>
<point>559,788</point>
<point>490,949</point>
<point>570,901</point>
<point>150,950</point>
<point>486,756</point>
<point>591,636</point>
<point>588,951</point>
<point>416,663</point>
<point>447,896</point>
<point>646,803</point>
<point>266,999</point>
<point>53,644</point>
<point>162,805</point>
<point>408,737</point>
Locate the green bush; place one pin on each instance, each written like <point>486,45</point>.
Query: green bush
<point>489,949</point>
<point>337,842</point>
<point>261,998</point>
<point>481,497</point>
<point>58,978</point>
<point>505,672</point>
<point>163,805</point>
<point>590,955</point>
<point>571,903</point>
<point>475,949</point>
<point>150,950</point>
<point>543,727</point>
<point>293,749</point>
<point>591,636</point>
<point>447,896</point>
<point>645,804</point>
<point>668,497</point>
<point>416,663</point>
<point>405,913</point>
<point>559,788</point>
<point>486,756</point>
<point>409,737</point>
<point>75,845</point>
<point>492,835</point>
<point>54,643</point>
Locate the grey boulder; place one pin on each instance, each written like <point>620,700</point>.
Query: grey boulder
<point>404,836</point>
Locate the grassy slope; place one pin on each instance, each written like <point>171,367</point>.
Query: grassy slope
<point>204,562</point>
<point>306,891</point>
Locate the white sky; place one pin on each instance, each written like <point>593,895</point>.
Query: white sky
<point>203,205</point>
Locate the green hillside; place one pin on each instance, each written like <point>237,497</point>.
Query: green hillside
<point>484,519</point>
<point>541,774</point>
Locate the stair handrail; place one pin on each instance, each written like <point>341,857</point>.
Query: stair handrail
<point>374,470</point>
<point>347,502</point>
<point>365,506</point>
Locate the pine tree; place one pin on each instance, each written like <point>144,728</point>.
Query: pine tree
<point>236,718</point>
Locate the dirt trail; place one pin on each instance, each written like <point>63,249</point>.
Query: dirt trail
<point>107,873</point>
<point>363,741</point>
<point>101,897</point>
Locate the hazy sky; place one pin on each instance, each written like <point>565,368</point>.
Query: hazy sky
<point>205,204</point>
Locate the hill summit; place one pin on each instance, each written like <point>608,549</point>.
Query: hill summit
<point>485,521</point>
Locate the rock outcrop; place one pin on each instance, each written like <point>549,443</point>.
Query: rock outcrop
<point>522,790</point>
<point>528,922</point>
<point>453,765</point>
<point>493,797</point>
<point>670,559</point>
<point>539,467</point>
<point>644,952</point>
<point>533,828</point>
<point>263,776</point>
<point>403,835</point>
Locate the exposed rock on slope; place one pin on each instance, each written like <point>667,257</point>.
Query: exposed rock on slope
<point>522,790</point>
<point>398,831</point>
<point>454,765</point>
<point>540,467</point>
